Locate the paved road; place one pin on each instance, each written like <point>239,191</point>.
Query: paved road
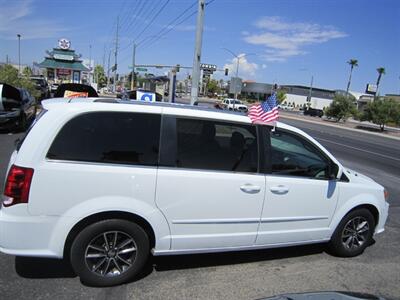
<point>240,275</point>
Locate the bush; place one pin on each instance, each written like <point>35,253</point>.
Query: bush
<point>341,108</point>
<point>9,75</point>
<point>381,112</point>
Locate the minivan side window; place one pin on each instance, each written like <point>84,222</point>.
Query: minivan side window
<point>109,137</point>
<point>295,156</point>
<point>215,145</point>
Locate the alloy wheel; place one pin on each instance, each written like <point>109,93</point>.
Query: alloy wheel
<point>355,233</point>
<point>110,253</point>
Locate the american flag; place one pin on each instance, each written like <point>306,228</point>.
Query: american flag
<point>264,112</point>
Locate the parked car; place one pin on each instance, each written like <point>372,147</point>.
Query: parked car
<point>17,107</point>
<point>42,86</point>
<point>234,104</point>
<point>313,112</point>
<point>105,184</point>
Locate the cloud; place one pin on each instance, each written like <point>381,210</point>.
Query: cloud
<point>16,18</point>
<point>283,39</point>
<point>246,68</point>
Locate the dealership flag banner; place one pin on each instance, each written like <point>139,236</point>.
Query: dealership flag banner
<point>265,112</point>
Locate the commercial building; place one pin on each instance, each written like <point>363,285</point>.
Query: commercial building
<point>62,64</point>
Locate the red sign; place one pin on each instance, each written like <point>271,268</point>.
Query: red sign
<point>63,72</point>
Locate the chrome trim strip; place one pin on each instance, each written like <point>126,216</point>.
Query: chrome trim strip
<point>217,221</point>
<point>292,219</point>
<point>228,249</point>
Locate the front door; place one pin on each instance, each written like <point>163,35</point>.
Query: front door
<point>207,185</point>
<point>300,199</point>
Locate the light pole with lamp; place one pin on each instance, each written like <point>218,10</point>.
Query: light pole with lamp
<point>238,57</point>
<point>19,53</point>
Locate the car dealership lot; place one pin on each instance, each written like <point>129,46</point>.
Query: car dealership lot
<point>241,275</point>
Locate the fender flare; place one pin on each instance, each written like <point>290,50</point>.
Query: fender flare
<point>151,214</point>
<point>349,205</point>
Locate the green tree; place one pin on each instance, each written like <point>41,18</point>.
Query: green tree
<point>27,72</point>
<point>353,63</point>
<point>341,108</point>
<point>9,75</point>
<point>280,96</point>
<point>99,76</point>
<point>213,86</point>
<point>381,112</point>
<point>381,71</point>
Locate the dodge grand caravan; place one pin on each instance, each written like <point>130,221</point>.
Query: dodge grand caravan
<point>107,184</point>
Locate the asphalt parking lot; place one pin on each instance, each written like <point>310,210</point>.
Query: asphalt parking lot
<point>241,275</point>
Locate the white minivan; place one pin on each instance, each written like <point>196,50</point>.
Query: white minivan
<point>105,183</point>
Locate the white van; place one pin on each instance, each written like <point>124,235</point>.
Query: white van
<point>105,184</point>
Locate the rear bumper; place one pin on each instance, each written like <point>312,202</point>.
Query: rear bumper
<point>25,235</point>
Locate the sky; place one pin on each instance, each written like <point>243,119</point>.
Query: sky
<point>278,41</point>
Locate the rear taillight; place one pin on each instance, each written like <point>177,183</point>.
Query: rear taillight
<point>17,187</point>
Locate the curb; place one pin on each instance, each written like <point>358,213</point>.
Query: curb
<point>340,127</point>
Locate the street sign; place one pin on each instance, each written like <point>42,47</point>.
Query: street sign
<point>371,89</point>
<point>141,69</point>
<point>236,85</point>
<point>208,67</point>
<point>145,96</point>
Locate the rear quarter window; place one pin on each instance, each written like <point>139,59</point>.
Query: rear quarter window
<point>109,137</point>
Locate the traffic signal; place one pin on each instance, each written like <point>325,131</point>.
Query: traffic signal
<point>226,72</point>
<point>177,68</point>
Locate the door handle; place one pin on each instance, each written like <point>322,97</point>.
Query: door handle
<point>250,189</point>
<point>279,189</point>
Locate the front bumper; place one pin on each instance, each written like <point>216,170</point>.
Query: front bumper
<point>382,219</point>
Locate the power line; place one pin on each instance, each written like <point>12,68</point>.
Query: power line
<point>157,38</point>
<point>170,24</point>
<point>152,20</point>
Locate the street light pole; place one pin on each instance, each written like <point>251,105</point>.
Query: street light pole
<point>19,53</point>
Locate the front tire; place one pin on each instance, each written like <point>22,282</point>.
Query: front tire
<point>353,234</point>
<point>109,252</point>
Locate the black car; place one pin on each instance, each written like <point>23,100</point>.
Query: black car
<point>313,112</point>
<point>17,107</point>
<point>42,86</point>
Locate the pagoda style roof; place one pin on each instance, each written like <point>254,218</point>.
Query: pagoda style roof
<point>62,64</point>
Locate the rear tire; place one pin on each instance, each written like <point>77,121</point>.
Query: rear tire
<point>109,252</point>
<point>353,234</point>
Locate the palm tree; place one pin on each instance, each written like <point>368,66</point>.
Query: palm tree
<point>353,63</point>
<point>381,71</point>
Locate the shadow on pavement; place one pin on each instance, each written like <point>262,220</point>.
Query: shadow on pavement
<point>177,262</point>
<point>33,267</point>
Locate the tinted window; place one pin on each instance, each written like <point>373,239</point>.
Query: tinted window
<point>216,145</point>
<point>294,155</point>
<point>109,137</point>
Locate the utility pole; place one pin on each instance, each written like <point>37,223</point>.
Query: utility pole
<point>19,53</point>
<point>104,57</point>
<point>108,70</point>
<point>90,64</point>
<point>310,91</point>
<point>116,57</point>
<point>197,52</point>
<point>133,81</point>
